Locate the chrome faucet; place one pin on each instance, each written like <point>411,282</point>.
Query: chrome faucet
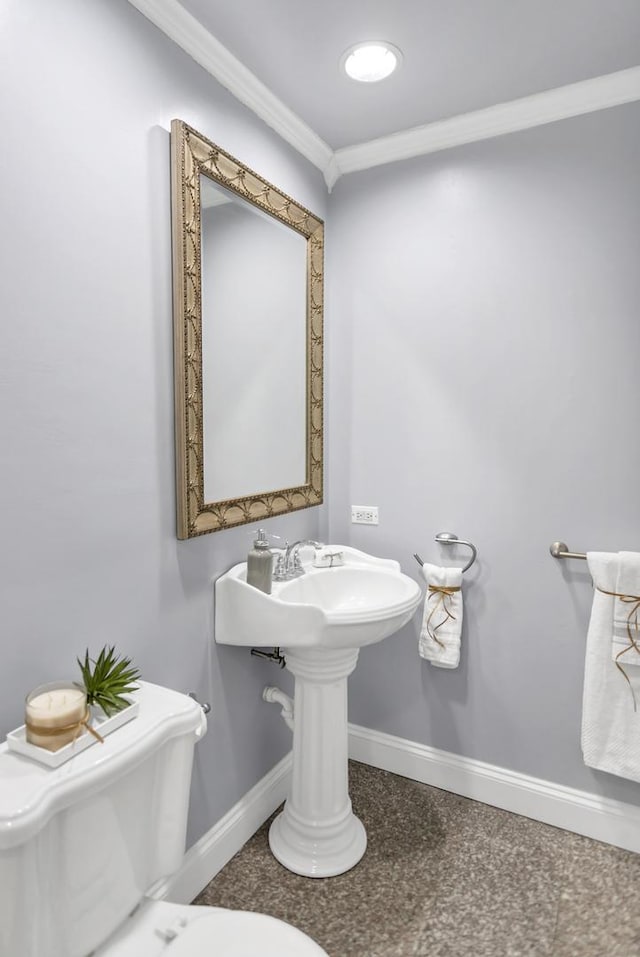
<point>289,565</point>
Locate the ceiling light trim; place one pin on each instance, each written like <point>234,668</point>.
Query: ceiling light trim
<point>385,49</point>
<point>189,34</point>
<point>575,99</point>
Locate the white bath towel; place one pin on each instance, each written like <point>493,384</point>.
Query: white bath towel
<point>439,639</point>
<point>610,726</point>
<point>626,611</point>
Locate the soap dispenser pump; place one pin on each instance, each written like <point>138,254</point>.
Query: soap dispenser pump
<point>260,564</point>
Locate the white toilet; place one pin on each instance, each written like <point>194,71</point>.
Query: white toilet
<point>81,845</point>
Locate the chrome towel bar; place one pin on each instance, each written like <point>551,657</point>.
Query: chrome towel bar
<point>450,538</point>
<point>560,550</point>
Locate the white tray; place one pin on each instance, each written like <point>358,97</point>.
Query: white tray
<point>17,740</point>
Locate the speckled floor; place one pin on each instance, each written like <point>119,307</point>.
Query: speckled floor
<point>447,877</point>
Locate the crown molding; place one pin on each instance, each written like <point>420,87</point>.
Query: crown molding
<point>575,99</point>
<point>331,172</point>
<point>189,34</point>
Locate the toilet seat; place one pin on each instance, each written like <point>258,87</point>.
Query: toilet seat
<point>242,934</point>
<point>160,929</point>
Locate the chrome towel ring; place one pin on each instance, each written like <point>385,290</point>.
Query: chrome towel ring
<point>450,538</point>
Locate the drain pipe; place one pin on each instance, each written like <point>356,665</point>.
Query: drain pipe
<point>275,695</point>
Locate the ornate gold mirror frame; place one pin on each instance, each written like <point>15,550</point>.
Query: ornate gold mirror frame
<point>192,155</point>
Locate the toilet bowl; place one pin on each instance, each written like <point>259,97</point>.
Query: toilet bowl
<point>81,844</point>
<point>160,929</point>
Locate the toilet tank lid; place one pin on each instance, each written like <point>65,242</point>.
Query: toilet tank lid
<point>30,793</point>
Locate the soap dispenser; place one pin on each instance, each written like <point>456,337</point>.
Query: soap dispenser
<point>260,563</point>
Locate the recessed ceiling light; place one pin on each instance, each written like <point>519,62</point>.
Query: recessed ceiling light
<point>371,61</point>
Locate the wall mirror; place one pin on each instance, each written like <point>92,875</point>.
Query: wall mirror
<point>248,315</point>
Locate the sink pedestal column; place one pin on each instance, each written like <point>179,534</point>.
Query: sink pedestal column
<point>317,834</point>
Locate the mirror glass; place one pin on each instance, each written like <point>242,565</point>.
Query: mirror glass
<point>248,311</point>
<point>253,348</point>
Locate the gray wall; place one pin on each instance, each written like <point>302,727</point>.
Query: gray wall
<point>481,341</point>
<point>484,380</point>
<point>89,553</point>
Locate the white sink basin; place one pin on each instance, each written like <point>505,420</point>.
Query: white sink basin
<point>320,621</point>
<point>358,603</point>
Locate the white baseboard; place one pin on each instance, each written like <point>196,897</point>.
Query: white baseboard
<point>209,855</point>
<point>599,818</point>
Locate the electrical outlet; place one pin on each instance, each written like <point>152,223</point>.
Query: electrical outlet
<point>364,514</point>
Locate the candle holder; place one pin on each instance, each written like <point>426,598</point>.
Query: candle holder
<point>55,715</point>
<point>100,726</point>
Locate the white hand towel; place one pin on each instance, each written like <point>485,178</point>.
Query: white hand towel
<point>626,626</point>
<point>610,726</point>
<point>439,639</point>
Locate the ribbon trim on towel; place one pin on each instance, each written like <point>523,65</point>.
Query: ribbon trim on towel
<point>632,620</point>
<point>441,593</point>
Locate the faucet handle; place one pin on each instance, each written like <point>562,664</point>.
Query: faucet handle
<point>280,570</point>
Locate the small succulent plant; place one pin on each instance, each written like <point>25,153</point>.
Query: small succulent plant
<point>107,679</point>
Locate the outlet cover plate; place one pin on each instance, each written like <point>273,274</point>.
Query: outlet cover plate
<point>364,514</point>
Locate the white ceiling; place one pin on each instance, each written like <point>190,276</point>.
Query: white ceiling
<point>459,55</point>
<point>472,69</point>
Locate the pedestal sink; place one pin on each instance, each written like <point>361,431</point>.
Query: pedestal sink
<point>320,620</point>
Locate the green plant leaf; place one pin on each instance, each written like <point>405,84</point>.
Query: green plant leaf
<point>111,677</point>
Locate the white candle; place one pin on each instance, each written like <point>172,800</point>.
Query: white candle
<point>51,707</point>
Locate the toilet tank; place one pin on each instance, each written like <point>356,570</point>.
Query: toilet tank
<point>80,844</point>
